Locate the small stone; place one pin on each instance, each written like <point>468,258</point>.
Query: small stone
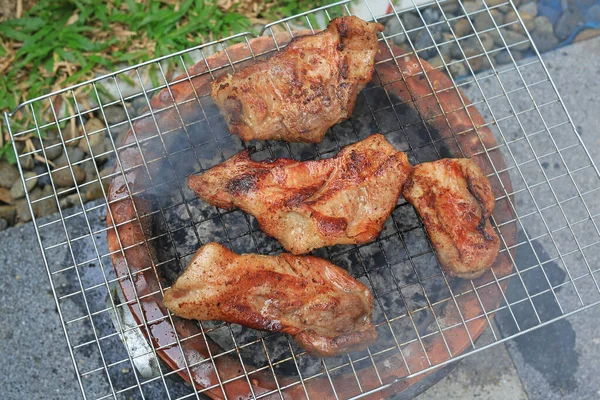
<point>476,62</point>
<point>89,166</point>
<point>75,155</point>
<point>449,7</point>
<point>5,196</point>
<point>488,41</point>
<point>528,20</point>
<point>20,145</point>
<point>436,62</point>
<point>471,47</point>
<point>498,17</point>
<point>118,129</point>
<point>472,6</point>
<point>483,21</point>
<point>484,63</point>
<point>115,114</point>
<point>54,152</point>
<point>94,190</point>
<point>71,134</point>
<point>443,28</point>
<point>529,8</point>
<point>17,191</point>
<point>23,213</point>
<point>493,3</point>
<point>62,177</point>
<point>424,41</point>
<point>120,140</point>
<point>393,28</point>
<point>462,27</point>
<point>511,38</point>
<point>543,34</point>
<point>26,161</point>
<point>411,22</point>
<point>72,200</point>
<point>458,69</point>
<point>8,213</point>
<point>95,135</point>
<point>431,16</point>
<point>139,103</point>
<point>552,13</point>
<point>567,23</point>
<point>52,146</point>
<point>455,51</point>
<point>47,206</point>
<point>503,57</point>
<point>8,174</point>
<point>130,110</point>
<point>92,128</point>
<point>43,180</point>
<point>542,24</point>
<point>3,224</point>
<point>586,34</point>
<point>544,41</point>
<point>450,44</point>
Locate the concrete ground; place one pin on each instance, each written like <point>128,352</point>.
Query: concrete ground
<point>557,361</point>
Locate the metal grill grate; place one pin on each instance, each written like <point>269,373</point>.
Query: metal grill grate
<point>536,161</point>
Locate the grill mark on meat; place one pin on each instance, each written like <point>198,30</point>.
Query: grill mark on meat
<point>317,91</point>
<point>242,184</point>
<point>344,34</point>
<point>325,318</point>
<point>483,231</point>
<point>299,196</point>
<point>481,226</point>
<point>344,199</point>
<point>234,108</point>
<point>337,62</point>
<point>330,225</point>
<point>343,67</point>
<point>358,162</point>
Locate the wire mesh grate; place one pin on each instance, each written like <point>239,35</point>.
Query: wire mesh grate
<point>538,166</point>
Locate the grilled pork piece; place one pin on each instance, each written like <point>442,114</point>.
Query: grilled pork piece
<point>326,310</point>
<point>455,201</point>
<point>301,91</point>
<point>306,205</point>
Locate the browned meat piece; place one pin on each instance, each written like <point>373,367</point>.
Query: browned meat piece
<point>455,201</point>
<point>326,310</point>
<point>301,91</point>
<point>307,205</point>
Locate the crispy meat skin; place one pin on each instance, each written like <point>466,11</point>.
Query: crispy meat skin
<point>301,91</point>
<point>326,310</point>
<point>306,205</point>
<point>455,201</point>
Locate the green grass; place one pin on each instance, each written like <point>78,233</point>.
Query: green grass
<point>62,42</point>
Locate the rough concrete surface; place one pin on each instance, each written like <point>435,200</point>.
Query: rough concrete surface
<point>489,374</point>
<point>557,361</point>
<point>35,359</point>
